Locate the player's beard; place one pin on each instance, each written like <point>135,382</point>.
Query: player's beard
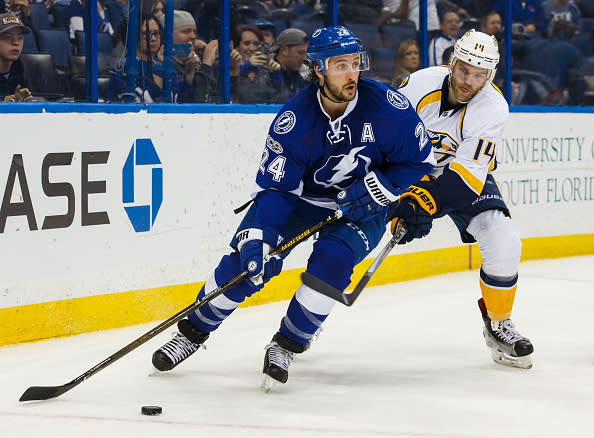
<point>459,95</point>
<point>339,93</point>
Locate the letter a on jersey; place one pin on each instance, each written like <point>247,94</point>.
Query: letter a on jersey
<point>367,133</point>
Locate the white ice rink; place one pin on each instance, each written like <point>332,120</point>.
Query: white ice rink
<point>407,360</point>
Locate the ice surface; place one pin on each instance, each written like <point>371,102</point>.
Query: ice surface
<point>406,360</point>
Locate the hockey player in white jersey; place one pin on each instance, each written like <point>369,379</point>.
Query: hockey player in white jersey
<point>465,115</point>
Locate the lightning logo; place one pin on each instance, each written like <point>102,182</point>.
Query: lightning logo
<point>341,168</point>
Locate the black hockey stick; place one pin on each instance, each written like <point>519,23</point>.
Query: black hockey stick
<point>47,392</point>
<point>349,298</point>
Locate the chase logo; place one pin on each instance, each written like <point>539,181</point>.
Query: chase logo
<point>142,207</point>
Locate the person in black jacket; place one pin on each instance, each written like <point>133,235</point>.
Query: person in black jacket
<point>12,75</point>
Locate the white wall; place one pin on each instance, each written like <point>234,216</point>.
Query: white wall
<point>209,162</point>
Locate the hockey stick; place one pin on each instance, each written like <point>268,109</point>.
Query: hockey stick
<point>47,392</point>
<point>348,299</point>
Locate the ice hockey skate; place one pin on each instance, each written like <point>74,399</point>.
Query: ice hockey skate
<point>181,346</point>
<point>508,347</point>
<point>279,355</point>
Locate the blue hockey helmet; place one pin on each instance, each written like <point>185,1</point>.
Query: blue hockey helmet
<point>334,41</point>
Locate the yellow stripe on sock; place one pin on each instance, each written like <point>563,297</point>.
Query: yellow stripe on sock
<point>499,301</point>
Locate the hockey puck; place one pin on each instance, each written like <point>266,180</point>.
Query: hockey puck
<point>151,410</point>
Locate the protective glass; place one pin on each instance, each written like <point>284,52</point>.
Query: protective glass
<point>353,63</point>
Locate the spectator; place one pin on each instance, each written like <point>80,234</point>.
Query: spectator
<point>207,74</point>
<point>447,55</point>
<point>556,59</point>
<point>290,49</point>
<point>268,30</point>
<point>449,26</point>
<point>13,86</point>
<point>158,8</point>
<point>408,10</point>
<point>185,67</point>
<point>528,12</point>
<point>117,11</point>
<point>77,12</point>
<point>405,62</point>
<point>149,82</point>
<point>255,84</point>
<point>491,24</point>
<point>560,9</point>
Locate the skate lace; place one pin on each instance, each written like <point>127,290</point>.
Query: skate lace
<point>179,348</point>
<point>507,332</point>
<point>278,356</point>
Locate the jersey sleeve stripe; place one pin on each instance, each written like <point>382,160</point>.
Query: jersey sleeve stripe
<point>471,181</point>
<point>430,98</point>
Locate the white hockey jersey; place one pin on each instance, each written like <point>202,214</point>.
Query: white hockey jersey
<point>465,137</point>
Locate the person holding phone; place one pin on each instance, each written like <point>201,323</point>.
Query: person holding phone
<point>255,84</point>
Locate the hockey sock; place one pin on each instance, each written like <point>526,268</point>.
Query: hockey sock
<point>498,294</point>
<point>208,317</point>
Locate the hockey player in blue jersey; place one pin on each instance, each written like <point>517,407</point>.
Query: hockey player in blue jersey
<point>341,140</point>
<point>465,115</point>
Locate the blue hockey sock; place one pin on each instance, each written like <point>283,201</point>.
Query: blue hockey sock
<point>208,317</point>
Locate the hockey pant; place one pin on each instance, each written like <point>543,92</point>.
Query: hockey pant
<point>500,248</point>
<point>339,247</point>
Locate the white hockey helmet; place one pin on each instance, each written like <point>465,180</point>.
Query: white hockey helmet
<point>478,49</point>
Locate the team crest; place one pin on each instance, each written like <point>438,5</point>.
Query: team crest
<point>397,100</point>
<point>285,122</point>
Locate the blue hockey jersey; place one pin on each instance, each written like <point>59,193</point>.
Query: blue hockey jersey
<point>309,156</point>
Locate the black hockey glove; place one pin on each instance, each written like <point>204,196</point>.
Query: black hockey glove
<point>416,206</point>
<point>254,245</point>
<point>367,197</point>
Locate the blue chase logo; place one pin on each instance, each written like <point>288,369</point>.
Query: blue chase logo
<point>142,215</point>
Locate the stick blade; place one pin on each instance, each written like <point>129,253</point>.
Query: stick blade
<point>325,289</point>
<point>45,392</point>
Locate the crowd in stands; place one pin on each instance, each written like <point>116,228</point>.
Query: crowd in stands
<point>42,53</point>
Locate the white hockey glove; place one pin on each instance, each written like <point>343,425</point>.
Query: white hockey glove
<point>368,196</point>
<point>254,246</point>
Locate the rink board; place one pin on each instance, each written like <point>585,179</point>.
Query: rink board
<point>117,219</point>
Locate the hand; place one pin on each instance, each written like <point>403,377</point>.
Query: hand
<point>234,62</point>
<point>367,197</point>
<point>417,206</point>
<point>418,221</point>
<point>259,59</point>
<point>253,256</point>
<point>20,95</point>
<point>210,52</point>
<point>272,65</point>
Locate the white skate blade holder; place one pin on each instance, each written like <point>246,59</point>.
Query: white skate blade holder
<point>268,383</point>
<point>517,362</point>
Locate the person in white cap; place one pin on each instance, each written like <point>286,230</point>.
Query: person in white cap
<point>465,115</point>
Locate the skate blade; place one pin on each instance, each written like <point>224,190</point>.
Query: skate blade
<point>268,383</point>
<point>517,362</point>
